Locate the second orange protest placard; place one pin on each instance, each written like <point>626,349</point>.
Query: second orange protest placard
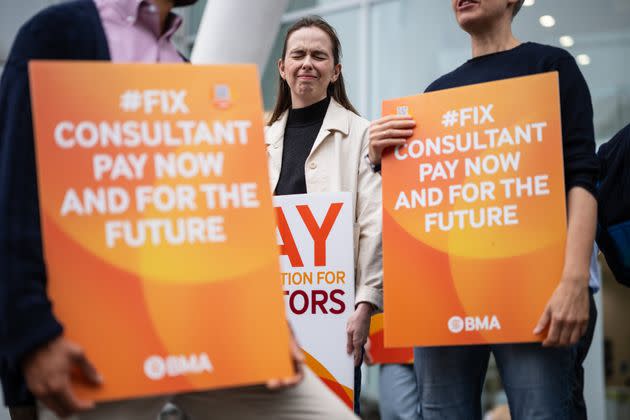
<point>378,353</point>
<point>158,224</point>
<point>474,220</point>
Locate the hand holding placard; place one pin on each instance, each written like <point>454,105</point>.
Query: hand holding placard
<point>386,132</point>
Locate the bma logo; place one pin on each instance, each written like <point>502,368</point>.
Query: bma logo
<point>458,324</point>
<point>157,367</point>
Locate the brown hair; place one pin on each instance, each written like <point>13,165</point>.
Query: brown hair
<point>336,89</point>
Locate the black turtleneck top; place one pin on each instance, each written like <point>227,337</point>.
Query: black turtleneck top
<point>303,125</point>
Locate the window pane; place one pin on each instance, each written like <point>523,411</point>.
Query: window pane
<point>270,73</point>
<point>412,44</point>
<point>307,4</point>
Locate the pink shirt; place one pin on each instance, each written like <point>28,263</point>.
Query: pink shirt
<point>132,28</point>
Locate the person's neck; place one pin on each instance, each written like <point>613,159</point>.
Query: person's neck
<point>164,8</point>
<point>297,103</point>
<point>496,39</point>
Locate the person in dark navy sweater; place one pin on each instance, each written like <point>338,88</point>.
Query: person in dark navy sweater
<point>538,378</point>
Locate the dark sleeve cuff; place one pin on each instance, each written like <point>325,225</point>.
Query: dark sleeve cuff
<point>587,183</point>
<point>33,330</point>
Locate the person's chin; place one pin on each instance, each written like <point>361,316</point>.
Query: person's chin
<point>304,92</point>
<point>470,24</point>
<point>306,87</point>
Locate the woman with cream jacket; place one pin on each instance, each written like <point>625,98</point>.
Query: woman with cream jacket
<point>317,142</point>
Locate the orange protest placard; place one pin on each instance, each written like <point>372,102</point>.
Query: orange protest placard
<point>474,220</point>
<point>158,226</point>
<point>379,354</point>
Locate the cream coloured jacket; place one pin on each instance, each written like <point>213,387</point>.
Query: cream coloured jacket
<point>337,163</point>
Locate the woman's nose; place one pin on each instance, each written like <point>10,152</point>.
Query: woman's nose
<point>307,62</point>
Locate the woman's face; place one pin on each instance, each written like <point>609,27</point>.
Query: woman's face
<point>308,66</point>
